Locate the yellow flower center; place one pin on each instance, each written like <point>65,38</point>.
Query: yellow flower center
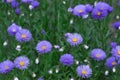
<point>80,11</point>
<point>22,63</point>
<point>98,13</point>
<point>118,52</point>
<point>97,55</point>
<point>6,67</point>
<point>24,36</point>
<point>43,47</point>
<point>74,40</point>
<point>113,63</point>
<point>83,72</point>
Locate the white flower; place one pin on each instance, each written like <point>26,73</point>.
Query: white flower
<point>57,70</point>
<point>50,71</point>
<point>119,27</point>
<point>106,73</point>
<point>85,16</point>
<point>86,46</point>
<point>30,14</point>
<point>71,78</point>
<point>64,2</point>
<point>16,78</point>
<point>8,13</point>
<point>5,43</point>
<point>95,3</point>
<point>18,47</point>
<point>22,14</point>
<point>61,49</point>
<point>31,7</point>
<point>117,17</point>
<point>76,62</point>
<point>85,60</point>
<point>114,70</point>
<point>37,60</point>
<point>33,75</point>
<point>71,21</point>
<point>56,46</point>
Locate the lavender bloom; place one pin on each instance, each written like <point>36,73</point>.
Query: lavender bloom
<point>111,62</point>
<point>103,7</point>
<point>98,14</point>
<point>13,29</point>
<point>23,35</point>
<point>44,47</point>
<point>113,44</point>
<point>67,34</point>
<point>89,8</point>
<point>70,10</point>
<point>116,52</point>
<point>6,66</point>
<point>17,11</point>
<point>40,78</point>
<point>27,1</point>
<point>14,4</point>
<point>98,54</point>
<point>75,39</point>
<point>35,4</point>
<point>67,59</point>
<point>84,71</point>
<point>116,25</point>
<point>79,10</point>
<point>21,62</point>
<point>8,1</point>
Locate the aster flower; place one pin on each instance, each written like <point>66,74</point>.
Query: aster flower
<point>116,25</point>
<point>67,59</point>
<point>27,1</point>
<point>35,4</point>
<point>111,62</point>
<point>14,4</point>
<point>116,52</point>
<point>44,47</point>
<point>21,62</point>
<point>89,8</point>
<point>74,39</point>
<point>113,44</point>
<point>17,11</point>
<point>98,54</point>
<point>84,71</point>
<point>98,14</point>
<point>23,35</point>
<point>40,78</point>
<point>103,6</point>
<point>6,66</point>
<point>13,29</point>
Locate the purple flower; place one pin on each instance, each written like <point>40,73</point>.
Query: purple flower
<point>23,35</point>
<point>14,4</point>
<point>17,11</point>
<point>111,62</point>
<point>116,52</point>
<point>89,8</point>
<point>43,32</point>
<point>27,1</point>
<point>103,7</point>
<point>79,10</point>
<point>67,59</point>
<point>13,29</point>
<point>6,66</point>
<point>98,54</point>
<point>84,71</point>
<point>113,44</point>
<point>8,1</point>
<point>116,25</point>
<point>44,47</point>
<point>40,78</point>
<point>98,14</point>
<point>74,39</point>
<point>70,10</point>
<point>21,62</point>
<point>35,4</point>
<point>119,61</point>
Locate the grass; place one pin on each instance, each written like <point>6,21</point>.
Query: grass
<point>52,16</point>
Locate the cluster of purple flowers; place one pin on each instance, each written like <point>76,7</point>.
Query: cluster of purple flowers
<point>21,62</point>
<point>114,60</point>
<point>15,4</point>
<point>99,11</point>
<point>22,35</point>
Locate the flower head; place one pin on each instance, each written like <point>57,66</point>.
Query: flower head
<point>6,66</point>
<point>98,54</point>
<point>74,39</point>
<point>84,71</point>
<point>23,35</point>
<point>44,47</point>
<point>116,51</point>
<point>35,4</point>
<point>13,29</point>
<point>27,1</point>
<point>67,59</point>
<point>111,62</point>
<point>113,44</point>
<point>40,78</point>
<point>21,62</point>
<point>14,4</point>
<point>116,25</point>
